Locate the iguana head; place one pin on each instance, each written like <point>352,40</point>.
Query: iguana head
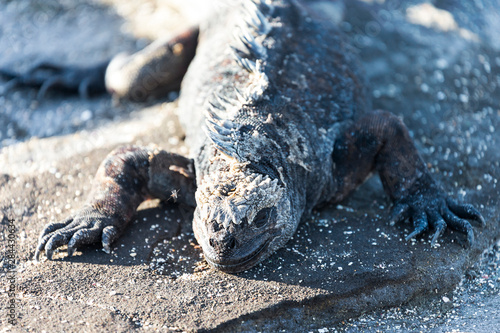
<point>241,218</point>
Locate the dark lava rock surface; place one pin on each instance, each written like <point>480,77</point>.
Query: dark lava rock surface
<point>435,65</point>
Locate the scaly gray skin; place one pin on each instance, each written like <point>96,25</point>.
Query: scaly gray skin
<point>287,127</point>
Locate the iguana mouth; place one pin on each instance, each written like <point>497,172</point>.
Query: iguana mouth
<point>234,266</point>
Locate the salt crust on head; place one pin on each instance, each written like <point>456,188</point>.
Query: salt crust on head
<point>229,197</point>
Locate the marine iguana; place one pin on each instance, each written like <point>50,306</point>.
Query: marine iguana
<point>287,127</point>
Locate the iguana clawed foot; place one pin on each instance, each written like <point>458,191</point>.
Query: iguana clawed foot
<point>85,81</point>
<point>87,226</point>
<point>431,207</point>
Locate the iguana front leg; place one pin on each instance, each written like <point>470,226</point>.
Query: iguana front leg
<point>380,142</point>
<point>127,177</point>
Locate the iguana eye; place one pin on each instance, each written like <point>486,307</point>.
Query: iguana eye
<point>262,217</point>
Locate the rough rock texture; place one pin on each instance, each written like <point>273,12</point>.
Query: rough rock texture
<point>441,75</point>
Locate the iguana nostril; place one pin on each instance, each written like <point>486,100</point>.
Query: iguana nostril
<point>230,243</point>
<point>212,242</point>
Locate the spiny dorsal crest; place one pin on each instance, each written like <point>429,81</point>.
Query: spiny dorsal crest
<point>223,132</point>
<point>250,54</point>
<point>247,50</point>
<point>231,196</point>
